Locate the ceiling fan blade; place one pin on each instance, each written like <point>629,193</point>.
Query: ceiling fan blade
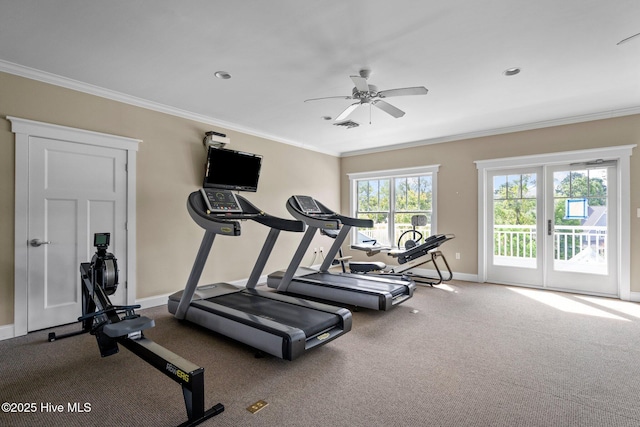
<point>419,90</point>
<point>347,112</point>
<point>328,97</point>
<point>361,83</point>
<point>388,108</point>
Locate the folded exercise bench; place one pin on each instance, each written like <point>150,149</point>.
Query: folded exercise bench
<point>421,253</point>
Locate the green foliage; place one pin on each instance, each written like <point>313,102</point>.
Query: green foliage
<point>515,204</point>
<point>515,200</point>
<point>411,195</point>
<point>373,195</point>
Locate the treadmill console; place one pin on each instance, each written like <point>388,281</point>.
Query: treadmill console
<point>220,201</point>
<point>307,205</point>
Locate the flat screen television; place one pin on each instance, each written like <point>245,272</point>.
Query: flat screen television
<point>232,170</point>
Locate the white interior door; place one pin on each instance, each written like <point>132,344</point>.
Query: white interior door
<point>75,190</point>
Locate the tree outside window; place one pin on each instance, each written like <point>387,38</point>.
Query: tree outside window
<point>391,203</point>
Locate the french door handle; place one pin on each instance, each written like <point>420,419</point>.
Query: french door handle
<point>549,231</point>
<point>37,242</point>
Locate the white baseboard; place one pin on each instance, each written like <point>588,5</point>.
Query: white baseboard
<point>6,332</point>
<point>153,301</point>
<point>634,296</point>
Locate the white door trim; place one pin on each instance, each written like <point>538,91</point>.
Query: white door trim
<point>25,129</point>
<point>620,153</point>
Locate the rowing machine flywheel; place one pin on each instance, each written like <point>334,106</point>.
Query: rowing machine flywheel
<point>105,267</point>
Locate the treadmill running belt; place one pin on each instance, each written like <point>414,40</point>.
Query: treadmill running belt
<point>356,283</point>
<point>312,322</point>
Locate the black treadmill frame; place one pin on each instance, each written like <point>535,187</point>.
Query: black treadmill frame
<point>197,304</point>
<point>339,288</point>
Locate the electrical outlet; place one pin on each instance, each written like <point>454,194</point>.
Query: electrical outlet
<point>457,255</point>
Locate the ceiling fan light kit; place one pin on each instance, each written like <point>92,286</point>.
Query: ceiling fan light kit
<point>366,93</point>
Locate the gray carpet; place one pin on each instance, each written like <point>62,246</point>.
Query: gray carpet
<point>461,354</point>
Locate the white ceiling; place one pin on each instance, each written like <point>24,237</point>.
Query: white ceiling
<point>163,54</point>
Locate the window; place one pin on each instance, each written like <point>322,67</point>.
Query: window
<point>392,199</point>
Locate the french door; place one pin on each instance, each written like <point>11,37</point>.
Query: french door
<point>582,227</point>
<point>554,226</point>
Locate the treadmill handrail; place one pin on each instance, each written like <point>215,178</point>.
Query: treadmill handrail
<point>271,221</point>
<point>326,214</point>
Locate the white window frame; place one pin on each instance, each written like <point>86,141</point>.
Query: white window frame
<point>391,174</point>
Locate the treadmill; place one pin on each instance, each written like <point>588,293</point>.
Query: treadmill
<point>373,292</point>
<point>280,325</point>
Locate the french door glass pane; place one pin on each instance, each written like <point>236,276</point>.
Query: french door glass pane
<point>580,221</point>
<point>514,220</point>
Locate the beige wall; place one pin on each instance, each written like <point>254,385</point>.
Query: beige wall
<point>457,178</point>
<point>170,166</point>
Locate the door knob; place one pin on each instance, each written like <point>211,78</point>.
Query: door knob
<point>37,242</point>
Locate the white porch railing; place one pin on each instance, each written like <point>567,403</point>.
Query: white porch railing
<point>576,244</point>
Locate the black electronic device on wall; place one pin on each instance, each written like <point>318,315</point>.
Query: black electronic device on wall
<point>232,170</point>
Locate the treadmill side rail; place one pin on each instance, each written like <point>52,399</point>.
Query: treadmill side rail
<point>263,333</point>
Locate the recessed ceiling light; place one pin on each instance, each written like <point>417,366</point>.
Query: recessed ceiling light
<point>511,71</point>
<point>222,75</point>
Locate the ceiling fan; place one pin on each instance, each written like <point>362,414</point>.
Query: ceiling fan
<point>365,93</point>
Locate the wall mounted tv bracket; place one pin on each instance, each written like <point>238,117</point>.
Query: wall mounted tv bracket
<point>215,139</point>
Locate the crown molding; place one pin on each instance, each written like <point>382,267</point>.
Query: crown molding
<point>500,131</point>
<point>45,77</point>
<point>56,80</point>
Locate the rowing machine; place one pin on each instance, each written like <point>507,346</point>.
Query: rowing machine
<point>113,325</point>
